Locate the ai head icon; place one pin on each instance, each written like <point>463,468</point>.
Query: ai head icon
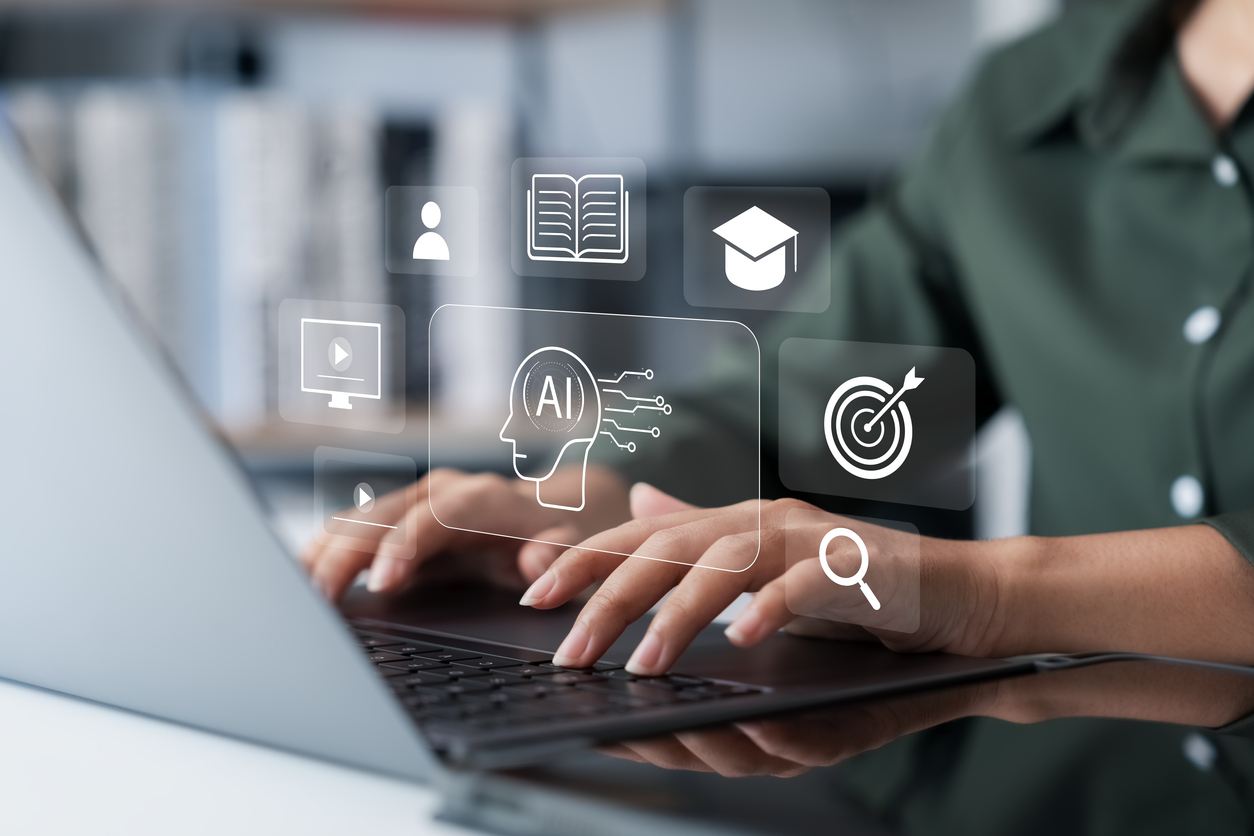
<point>554,418</point>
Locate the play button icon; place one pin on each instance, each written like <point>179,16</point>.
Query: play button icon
<point>340,353</point>
<point>363,497</point>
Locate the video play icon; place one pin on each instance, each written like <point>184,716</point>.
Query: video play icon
<point>363,497</point>
<point>340,353</point>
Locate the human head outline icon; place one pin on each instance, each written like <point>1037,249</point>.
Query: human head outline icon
<point>431,245</point>
<point>555,392</point>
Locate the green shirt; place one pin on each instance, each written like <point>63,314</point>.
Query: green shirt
<point>1072,212</point>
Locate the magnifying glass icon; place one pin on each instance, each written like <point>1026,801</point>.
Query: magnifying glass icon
<point>858,575</point>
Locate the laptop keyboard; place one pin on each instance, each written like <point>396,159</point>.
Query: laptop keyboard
<point>447,689</point>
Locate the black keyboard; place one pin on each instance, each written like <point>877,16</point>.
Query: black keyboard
<point>449,689</point>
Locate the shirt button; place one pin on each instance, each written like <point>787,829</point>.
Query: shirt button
<point>1225,171</point>
<point>1202,324</point>
<point>1186,497</point>
<point>1200,752</point>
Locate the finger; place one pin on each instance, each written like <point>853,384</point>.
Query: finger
<point>668,753</point>
<point>821,740</point>
<point>701,595</point>
<point>637,584</point>
<point>678,537</point>
<point>488,494</point>
<point>346,547</point>
<point>732,754</point>
<point>538,554</point>
<point>626,595</point>
<point>648,501</point>
<point>767,613</point>
<point>618,750</point>
<point>821,628</point>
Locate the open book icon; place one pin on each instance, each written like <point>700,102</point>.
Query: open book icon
<point>581,219</point>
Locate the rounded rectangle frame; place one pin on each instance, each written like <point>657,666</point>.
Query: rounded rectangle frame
<point>579,351</point>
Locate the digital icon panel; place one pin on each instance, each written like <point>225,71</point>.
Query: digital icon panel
<point>576,217</point>
<point>758,248</point>
<point>852,570</point>
<point>893,423</point>
<point>583,393</point>
<point>431,230</point>
<point>326,345</point>
<point>361,502</point>
<point>341,364</point>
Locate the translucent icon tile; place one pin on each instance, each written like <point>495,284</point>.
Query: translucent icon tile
<point>341,364</point>
<point>578,217</point>
<point>585,398</point>
<point>432,230</point>
<point>852,570</point>
<point>361,501</point>
<point>877,421</point>
<point>758,248</point>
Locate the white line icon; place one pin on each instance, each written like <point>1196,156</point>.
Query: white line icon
<point>855,411</point>
<point>858,576</point>
<point>339,335</point>
<point>754,257</point>
<point>558,395</point>
<point>582,220</point>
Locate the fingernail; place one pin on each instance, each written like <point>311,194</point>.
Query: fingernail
<point>538,590</point>
<point>745,628</point>
<point>383,574</point>
<point>572,650</point>
<point>648,653</point>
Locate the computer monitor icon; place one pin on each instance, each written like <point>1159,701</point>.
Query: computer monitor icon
<point>341,359</point>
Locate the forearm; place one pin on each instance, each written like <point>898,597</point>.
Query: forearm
<point>1182,592</point>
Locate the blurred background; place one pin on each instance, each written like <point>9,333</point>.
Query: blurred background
<point>222,157</point>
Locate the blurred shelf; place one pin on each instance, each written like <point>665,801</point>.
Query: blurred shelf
<point>500,9</point>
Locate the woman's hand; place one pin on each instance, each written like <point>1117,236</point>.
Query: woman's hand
<point>794,743</point>
<point>486,501</point>
<point>701,555</point>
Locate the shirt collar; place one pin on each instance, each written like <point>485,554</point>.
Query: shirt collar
<point>1126,94</point>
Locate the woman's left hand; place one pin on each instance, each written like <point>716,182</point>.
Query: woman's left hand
<point>702,555</point>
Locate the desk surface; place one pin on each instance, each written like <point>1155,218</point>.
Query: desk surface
<point>70,766</point>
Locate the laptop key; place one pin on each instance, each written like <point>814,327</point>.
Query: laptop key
<point>412,648</point>
<point>463,673</point>
<point>377,656</point>
<point>459,687</point>
<point>533,670</point>
<point>534,690</point>
<point>497,680</point>
<point>375,641</point>
<point>570,678</point>
<point>488,662</point>
<point>411,680</point>
<point>446,655</point>
<point>405,663</point>
<point>681,681</point>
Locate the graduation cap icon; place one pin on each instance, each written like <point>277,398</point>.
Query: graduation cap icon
<point>756,249</point>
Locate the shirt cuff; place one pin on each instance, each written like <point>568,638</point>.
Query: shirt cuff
<point>1238,527</point>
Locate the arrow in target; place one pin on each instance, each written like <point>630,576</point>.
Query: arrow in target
<point>911,382</point>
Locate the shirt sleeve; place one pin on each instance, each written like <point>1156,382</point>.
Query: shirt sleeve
<point>1238,527</point>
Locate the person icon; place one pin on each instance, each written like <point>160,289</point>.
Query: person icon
<point>431,245</point>
<point>553,397</point>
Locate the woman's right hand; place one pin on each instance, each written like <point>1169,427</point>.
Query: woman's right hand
<point>507,506</point>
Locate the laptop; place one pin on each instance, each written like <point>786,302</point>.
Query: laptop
<point>141,571</point>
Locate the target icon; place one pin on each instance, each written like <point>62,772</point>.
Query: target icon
<point>868,427</point>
